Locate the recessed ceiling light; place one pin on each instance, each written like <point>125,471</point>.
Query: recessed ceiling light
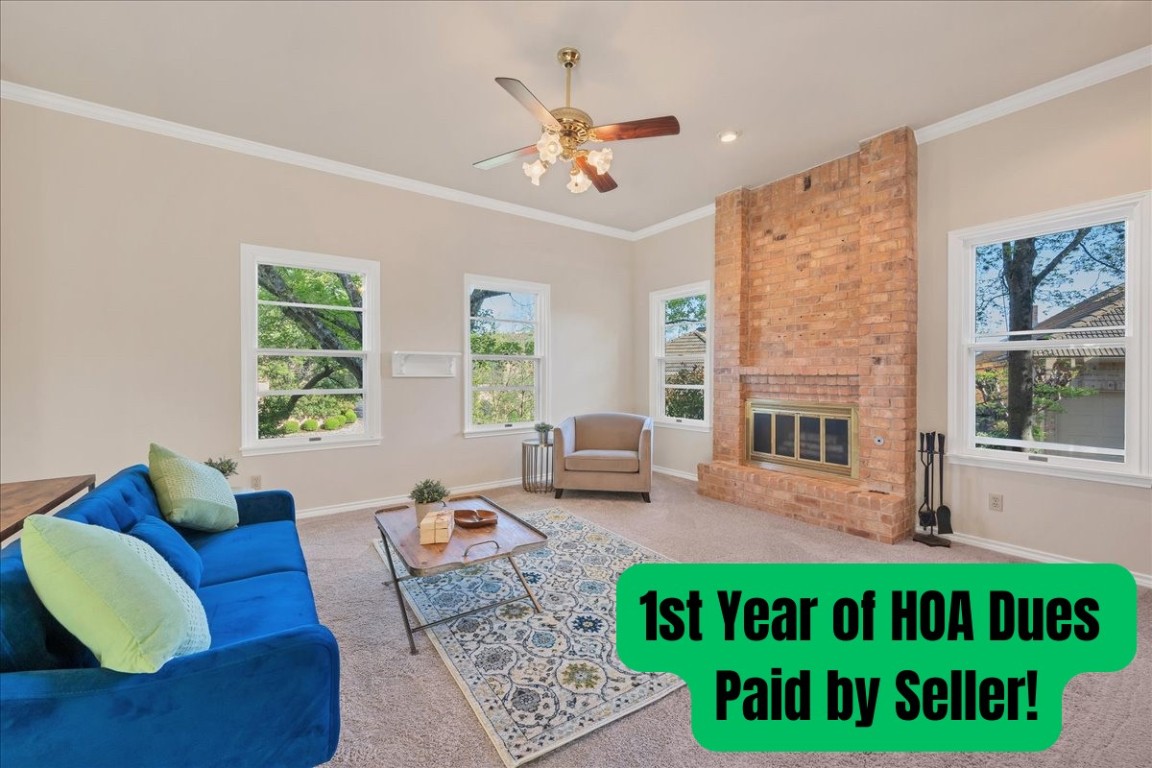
<point>728,136</point>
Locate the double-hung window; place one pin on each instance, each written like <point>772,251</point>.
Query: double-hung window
<point>1049,334</point>
<point>681,367</point>
<point>310,359</point>
<point>505,342</point>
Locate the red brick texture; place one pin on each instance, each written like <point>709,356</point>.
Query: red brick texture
<point>815,301</point>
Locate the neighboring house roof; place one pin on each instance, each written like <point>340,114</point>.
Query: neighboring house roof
<point>691,343</point>
<point>1101,310</point>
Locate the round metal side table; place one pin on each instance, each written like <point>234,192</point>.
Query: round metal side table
<point>536,466</point>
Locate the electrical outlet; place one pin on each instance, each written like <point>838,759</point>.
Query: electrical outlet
<point>996,502</point>
<point>256,482</point>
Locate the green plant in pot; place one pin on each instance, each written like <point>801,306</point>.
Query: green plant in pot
<point>429,496</point>
<point>543,429</point>
<point>223,465</point>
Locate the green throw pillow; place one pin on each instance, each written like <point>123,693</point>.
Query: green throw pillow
<point>115,593</point>
<point>191,494</point>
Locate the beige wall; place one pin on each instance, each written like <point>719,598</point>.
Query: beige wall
<point>1087,146</point>
<point>667,260</point>
<point>119,279</point>
<point>119,272</point>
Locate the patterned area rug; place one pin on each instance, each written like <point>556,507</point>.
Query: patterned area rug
<point>539,680</point>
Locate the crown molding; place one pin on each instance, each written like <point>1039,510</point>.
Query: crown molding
<point>1085,78</point>
<point>675,221</point>
<point>73,106</point>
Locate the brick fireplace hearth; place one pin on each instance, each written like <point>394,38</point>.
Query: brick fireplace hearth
<point>815,302</point>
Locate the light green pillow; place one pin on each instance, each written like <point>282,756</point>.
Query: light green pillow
<point>191,494</point>
<point>115,593</point>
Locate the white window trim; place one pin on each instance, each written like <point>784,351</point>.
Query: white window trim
<point>1136,470</point>
<point>543,369</point>
<point>250,257</point>
<point>656,301</point>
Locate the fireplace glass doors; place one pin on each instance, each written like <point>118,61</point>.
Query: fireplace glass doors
<point>819,437</point>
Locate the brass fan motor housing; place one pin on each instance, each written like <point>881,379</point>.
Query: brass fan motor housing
<point>576,128</point>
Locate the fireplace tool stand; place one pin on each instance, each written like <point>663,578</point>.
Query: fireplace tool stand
<point>927,513</point>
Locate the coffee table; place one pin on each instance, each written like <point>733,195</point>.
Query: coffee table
<point>510,536</point>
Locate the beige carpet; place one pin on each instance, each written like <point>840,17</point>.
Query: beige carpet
<point>400,710</point>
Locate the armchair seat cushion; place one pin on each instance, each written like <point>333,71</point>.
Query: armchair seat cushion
<point>602,460</point>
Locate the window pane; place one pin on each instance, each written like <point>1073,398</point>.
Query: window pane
<point>684,403</point>
<point>685,325</point>
<point>310,286</point>
<point>1069,279</point>
<point>1052,396</point>
<point>278,372</point>
<point>308,328</point>
<point>683,372</point>
<point>489,337</point>
<point>504,373</point>
<point>502,305</point>
<point>292,416</point>
<point>503,407</point>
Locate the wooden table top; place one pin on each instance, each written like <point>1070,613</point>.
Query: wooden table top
<point>513,535</point>
<point>31,497</point>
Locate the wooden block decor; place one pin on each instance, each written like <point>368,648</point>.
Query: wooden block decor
<point>437,527</point>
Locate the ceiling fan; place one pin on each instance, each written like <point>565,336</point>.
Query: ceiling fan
<point>565,131</point>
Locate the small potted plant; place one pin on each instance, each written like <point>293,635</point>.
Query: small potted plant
<point>223,465</point>
<point>543,428</point>
<point>429,495</point>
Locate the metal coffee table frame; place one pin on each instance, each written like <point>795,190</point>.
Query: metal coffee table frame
<point>509,537</point>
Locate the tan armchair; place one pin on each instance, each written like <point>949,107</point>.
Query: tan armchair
<point>603,452</point>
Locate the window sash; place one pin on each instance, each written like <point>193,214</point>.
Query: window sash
<point>1134,339</point>
<point>537,323</point>
<point>252,258</point>
<point>659,358</point>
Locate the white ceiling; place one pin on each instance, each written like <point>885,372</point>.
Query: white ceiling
<point>407,88</point>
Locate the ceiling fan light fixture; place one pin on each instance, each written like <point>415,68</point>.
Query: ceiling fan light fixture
<point>534,171</point>
<point>600,159</point>
<point>579,182</point>
<point>549,147</point>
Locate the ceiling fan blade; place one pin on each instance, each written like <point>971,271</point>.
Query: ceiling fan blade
<point>507,157</point>
<point>638,129</point>
<point>602,181</point>
<point>521,93</point>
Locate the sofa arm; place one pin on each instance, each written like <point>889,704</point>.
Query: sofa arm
<point>265,507</point>
<point>646,450</point>
<point>269,701</point>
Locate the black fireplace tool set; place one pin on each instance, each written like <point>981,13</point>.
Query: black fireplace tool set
<point>933,519</point>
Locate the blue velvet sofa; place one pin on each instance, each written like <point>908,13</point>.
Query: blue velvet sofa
<point>266,693</point>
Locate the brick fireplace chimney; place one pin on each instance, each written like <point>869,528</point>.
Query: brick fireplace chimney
<point>815,302</point>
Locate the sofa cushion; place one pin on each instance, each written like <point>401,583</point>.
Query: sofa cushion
<point>602,461</point>
<point>191,494</point>
<point>250,550</point>
<point>259,606</point>
<point>113,592</point>
<point>177,552</point>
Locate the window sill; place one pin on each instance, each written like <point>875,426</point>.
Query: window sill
<point>687,426</point>
<point>470,433</point>
<point>299,447</point>
<point>1053,470</point>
